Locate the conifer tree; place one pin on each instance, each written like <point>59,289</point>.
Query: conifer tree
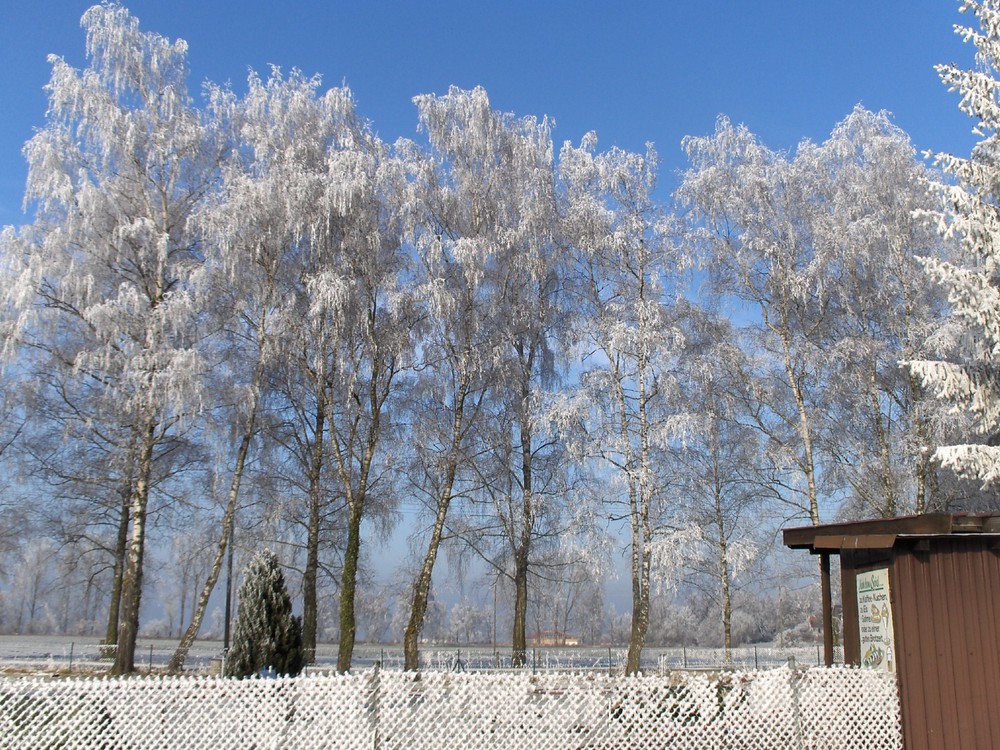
<point>266,635</point>
<point>968,373</point>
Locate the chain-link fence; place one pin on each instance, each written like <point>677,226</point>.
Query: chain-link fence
<point>780,709</point>
<point>88,655</point>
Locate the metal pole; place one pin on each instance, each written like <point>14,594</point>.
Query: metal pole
<point>71,645</point>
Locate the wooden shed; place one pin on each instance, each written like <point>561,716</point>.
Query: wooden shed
<point>921,597</point>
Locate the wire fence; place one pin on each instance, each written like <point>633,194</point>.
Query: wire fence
<point>782,708</point>
<point>57,654</point>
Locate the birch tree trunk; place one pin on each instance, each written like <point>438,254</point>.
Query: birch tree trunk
<point>180,654</point>
<point>120,553</point>
<point>128,624</point>
<point>348,589</point>
<point>310,574</point>
<point>422,586</point>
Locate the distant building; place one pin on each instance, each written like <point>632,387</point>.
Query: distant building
<point>546,638</point>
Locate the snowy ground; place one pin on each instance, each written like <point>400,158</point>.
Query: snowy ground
<point>83,654</point>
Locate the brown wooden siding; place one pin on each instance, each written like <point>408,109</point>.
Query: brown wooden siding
<point>946,611</point>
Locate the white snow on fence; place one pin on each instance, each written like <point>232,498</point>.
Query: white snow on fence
<point>782,708</point>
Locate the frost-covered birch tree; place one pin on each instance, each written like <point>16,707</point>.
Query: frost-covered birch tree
<point>502,170</point>
<point>720,468</point>
<point>355,341</point>
<point>884,308</point>
<point>310,240</point>
<point>628,343</point>
<point>755,213</point>
<point>104,286</point>
<point>968,374</point>
<point>457,347</point>
<point>253,228</point>
<point>817,252</point>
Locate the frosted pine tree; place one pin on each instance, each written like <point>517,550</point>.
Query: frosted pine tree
<point>967,375</point>
<point>266,635</point>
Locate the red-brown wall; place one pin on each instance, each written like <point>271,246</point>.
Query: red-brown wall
<point>946,612</point>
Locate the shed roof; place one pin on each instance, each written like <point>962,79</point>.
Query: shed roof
<point>882,533</point>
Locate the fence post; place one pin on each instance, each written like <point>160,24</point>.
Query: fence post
<point>793,675</point>
<point>375,687</point>
<point>151,658</point>
<point>756,664</point>
<point>71,645</point>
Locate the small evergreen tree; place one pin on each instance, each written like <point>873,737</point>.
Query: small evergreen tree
<point>266,635</point>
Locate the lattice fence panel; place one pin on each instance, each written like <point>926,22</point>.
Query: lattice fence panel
<point>817,709</point>
<point>871,715</point>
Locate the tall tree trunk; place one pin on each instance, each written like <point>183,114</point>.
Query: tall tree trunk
<point>310,574</point>
<point>121,545</point>
<point>519,642</point>
<point>352,553</point>
<point>641,565</point>
<point>522,552</point>
<point>727,605</point>
<point>421,593</point>
<point>121,550</point>
<point>641,500</point>
<point>422,586</point>
<point>808,461</point>
<point>924,494</point>
<point>640,611</point>
<point>128,626</point>
<point>180,654</point>
<point>357,497</point>
<point>228,518</point>
<point>882,438</point>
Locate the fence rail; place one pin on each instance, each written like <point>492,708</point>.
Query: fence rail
<point>782,708</point>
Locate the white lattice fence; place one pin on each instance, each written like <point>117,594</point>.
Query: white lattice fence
<point>773,710</point>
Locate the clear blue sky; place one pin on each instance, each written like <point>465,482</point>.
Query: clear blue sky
<point>632,71</point>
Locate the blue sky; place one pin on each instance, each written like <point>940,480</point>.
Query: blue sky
<point>632,71</point>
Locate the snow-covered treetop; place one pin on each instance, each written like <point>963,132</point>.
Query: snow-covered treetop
<point>970,212</point>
